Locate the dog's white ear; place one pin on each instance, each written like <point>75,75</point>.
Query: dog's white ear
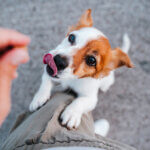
<point>84,21</point>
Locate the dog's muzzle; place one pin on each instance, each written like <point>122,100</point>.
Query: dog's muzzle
<point>55,64</point>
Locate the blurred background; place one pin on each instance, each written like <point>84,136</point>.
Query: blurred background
<point>127,103</point>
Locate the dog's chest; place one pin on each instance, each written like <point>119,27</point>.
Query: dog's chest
<point>84,86</point>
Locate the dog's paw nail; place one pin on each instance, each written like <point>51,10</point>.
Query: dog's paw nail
<point>60,119</point>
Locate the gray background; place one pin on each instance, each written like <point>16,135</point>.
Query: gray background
<point>127,104</point>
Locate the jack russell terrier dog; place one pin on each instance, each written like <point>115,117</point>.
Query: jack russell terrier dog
<point>84,61</point>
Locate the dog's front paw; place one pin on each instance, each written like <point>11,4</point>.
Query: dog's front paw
<point>70,118</point>
<point>37,102</point>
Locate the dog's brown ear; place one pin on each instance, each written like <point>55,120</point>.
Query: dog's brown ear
<point>84,21</point>
<point>118,59</point>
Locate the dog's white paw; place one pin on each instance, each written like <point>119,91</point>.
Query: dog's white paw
<point>70,118</point>
<point>38,101</point>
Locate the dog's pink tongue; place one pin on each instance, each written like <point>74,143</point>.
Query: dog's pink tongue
<point>48,59</point>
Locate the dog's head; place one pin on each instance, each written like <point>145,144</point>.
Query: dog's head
<point>85,52</point>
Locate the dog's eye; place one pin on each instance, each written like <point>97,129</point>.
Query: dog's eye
<point>71,38</point>
<point>90,61</point>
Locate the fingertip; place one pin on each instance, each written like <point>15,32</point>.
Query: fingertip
<point>26,39</point>
<point>18,39</point>
<point>14,38</point>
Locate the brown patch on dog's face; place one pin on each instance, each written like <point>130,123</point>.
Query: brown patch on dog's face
<point>106,59</point>
<point>100,50</point>
<point>84,21</point>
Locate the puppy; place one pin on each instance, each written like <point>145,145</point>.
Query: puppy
<point>84,61</point>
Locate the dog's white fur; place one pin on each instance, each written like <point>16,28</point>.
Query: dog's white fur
<point>86,88</point>
<point>101,127</point>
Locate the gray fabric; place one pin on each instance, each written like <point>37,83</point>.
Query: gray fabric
<point>74,148</point>
<point>41,129</point>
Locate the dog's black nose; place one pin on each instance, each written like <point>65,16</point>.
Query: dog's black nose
<point>61,62</point>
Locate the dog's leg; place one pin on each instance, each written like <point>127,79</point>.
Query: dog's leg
<point>71,117</point>
<point>101,127</point>
<point>43,94</point>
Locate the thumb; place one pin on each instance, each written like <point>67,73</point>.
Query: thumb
<point>16,56</point>
<point>12,59</point>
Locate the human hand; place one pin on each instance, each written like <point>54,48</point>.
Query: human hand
<point>17,55</point>
<point>9,63</point>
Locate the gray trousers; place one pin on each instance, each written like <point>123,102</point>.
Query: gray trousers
<point>42,130</point>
